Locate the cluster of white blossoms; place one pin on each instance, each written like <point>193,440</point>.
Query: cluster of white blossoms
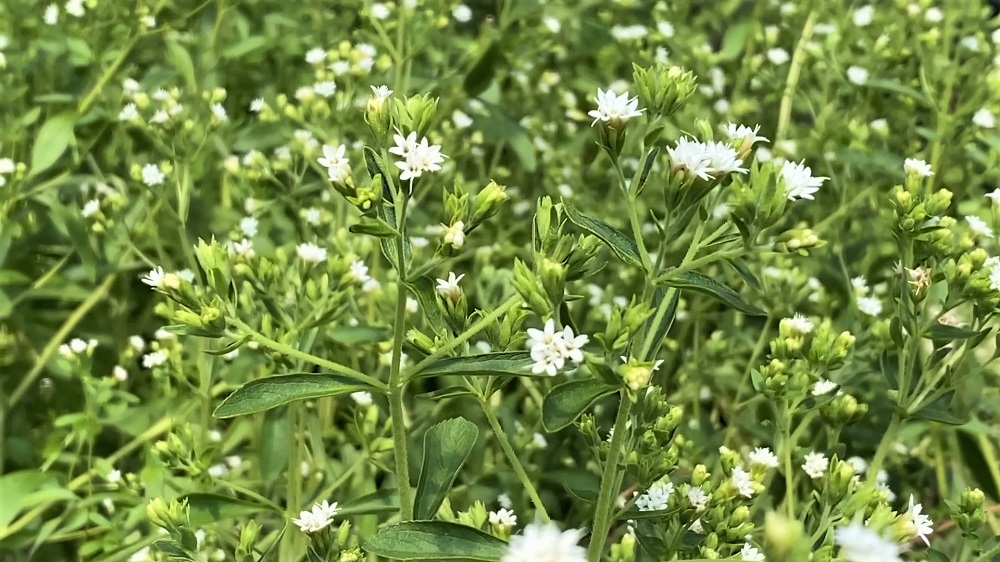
<point>867,302</point>
<point>417,157</point>
<point>705,160</point>
<point>504,517</point>
<point>76,347</point>
<point>799,181</point>
<point>762,456</point>
<point>334,160</point>
<point>317,518</point>
<point>750,553</point>
<point>614,108</point>
<point>815,465</point>
<point>861,544</point>
<point>550,349</point>
<point>656,498</point>
<point>544,541</point>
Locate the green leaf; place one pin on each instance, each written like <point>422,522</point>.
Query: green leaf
<point>935,555</point>
<point>172,551</point>
<point>270,392</point>
<point>180,60</point>
<point>209,508</point>
<point>24,488</point>
<point>581,484</point>
<point>735,40</point>
<point>434,540</point>
<point>55,136</point>
<point>897,88</point>
<point>694,281</point>
<point>567,401</point>
<point>423,289</point>
<point>275,447</point>
<point>944,332</point>
<point>505,363</point>
<point>446,447</point>
<point>481,73</point>
<point>447,392</point>
<point>385,500</point>
<point>619,243</point>
<point>353,335</point>
<point>657,333</point>
<point>940,411</point>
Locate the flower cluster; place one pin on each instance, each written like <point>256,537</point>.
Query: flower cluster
<point>417,157</point>
<point>613,108</point>
<point>705,160</point>
<point>551,348</point>
<point>544,541</point>
<point>317,518</point>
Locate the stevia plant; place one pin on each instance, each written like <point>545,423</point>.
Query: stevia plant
<point>412,281</point>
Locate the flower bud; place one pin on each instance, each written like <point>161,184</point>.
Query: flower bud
<point>663,90</point>
<point>487,203</point>
<point>784,539</point>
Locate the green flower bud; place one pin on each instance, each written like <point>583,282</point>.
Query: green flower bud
<point>488,202</point>
<point>784,539</point>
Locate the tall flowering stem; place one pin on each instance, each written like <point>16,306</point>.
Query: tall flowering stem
<point>609,480</point>
<point>397,384</point>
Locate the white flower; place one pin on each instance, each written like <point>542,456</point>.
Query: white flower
<point>316,55</point>
<point>326,88</point>
<point>697,497</point>
<point>545,542</point>
<point>381,93</point>
<point>152,175</point>
<point>248,226</point>
<point>984,118</point>
<point>504,501</point>
<point>119,373</point>
<point>933,15</point>
<point>572,346</point>
<point>454,235</point>
<point>692,157</point>
<point>149,21</point>
<point>154,359</point>
<point>745,136</point>
<point>358,272</point>
<point>257,105</point>
<point>863,16</point>
<point>90,208</point>
<point>799,181</point>
<point>629,32</point>
<point>762,456</point>
<point>362,398</point>
<point>742,481</point>
<point>823,386</point>
<point>336,164</point>
<point>861,544</point>
<point>243,248</point>
<point>723,158</point>
<point>51,16</point>
<point>871,306</point>
<point>379,11</point>
<point>128,113</point>
<point>310,253</point>
<point>979,226</point>
<point>922,524</point>
<point>798,323</point>
<point>857,75</point>
<point>504,517</point>
<point>777,56</point>
<point>665,28</point>
<point>748,552</point>
<point>539,441</point>
<point>462,13</point>
<point>137,342</point>
<point>219,112</point>
<point>697,527</point>
<point>154,278</point>
<point>449,288</point>
<point>614,108</point>
<point>656,498</point>
<point>417,157</point>
<point>412,306</point>
<point>7,166</point>
<point>815,464</point>
<point>317,518</point>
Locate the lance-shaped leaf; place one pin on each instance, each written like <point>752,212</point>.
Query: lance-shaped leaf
<point>434,540</point>
<point>271,392</point>
<point>619,243</point>
<point>694,281</point>
<point>944,332</point>
<point>209,508</point>
<point>446,447</point>
<point>567,401</point>
<point>505,363</point>
<point>385,500</point>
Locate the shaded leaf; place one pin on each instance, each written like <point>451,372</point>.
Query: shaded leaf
<point>209,508</point>
<point>567,401</point>
<point>352,335</point>
<point>944,332</point>
<point>385,500</point>
<point>447,445</point>
<point>619,243</point>
<point>275,446</point>
<point>270,392</point>
<point>699,283</point>
<point>504,363</point>
<point>434,540</point>
<point>55,136</point>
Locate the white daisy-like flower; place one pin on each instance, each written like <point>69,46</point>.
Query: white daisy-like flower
<point>318,518</point>
<point>505,501</point>
<point>337,166</point>
<point>154,278</point>
<point>863,16</point>
<point>861,544</point>
<point>799,181</point>
<point>379,11</point>
<point>325,88</point>
<point>449,288</point>
<point>90,208</point>
<point>310,253</point>
<point>762,456</point>
<point>859,464</point>
<point>51,15</point>
<point>751,554</point>
<point>257,105</point>
<point>822,387</point>
<point>871,306</point>
<point>742,481</point>
<point>917,167</point>
<point>613,108</point>
<point>724,159</point>
<point>362,398</point>
<point>316,55</point>
<point>115,476</point>
<point>382,93</point>
<point>690,156</point>
<point>979,226</point>
<point>777,56</point>
<point>815,465</point>
<point>504,517</point>
<point>697,497</point>
<point>994,196</point>
<point>744,135</point>
<point>656,498</point>
<point>418,158</point>
<point>933,15</point>
<point>922,524</point>
<point>545,542</point>
<point>798,323</point>
<point>152,175</point>
<point>219,112</point>
<point>119,373</point>
<point>248,226</point>
<point>572,345</point>
<point>154,359</point>
<point>128,113</point>
<point>358,272</point>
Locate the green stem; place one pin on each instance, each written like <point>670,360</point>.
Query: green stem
<point>479,326</point>
<point>792,82</point>
<point>514,462</point>
<point>695,264</point>
<point>290,351</point>
<point>605,501</point>
<point>397,384</point>
<point>294,471</point>
<point>885,444</point>
<point>633,218</point>
<point>789,466</point>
